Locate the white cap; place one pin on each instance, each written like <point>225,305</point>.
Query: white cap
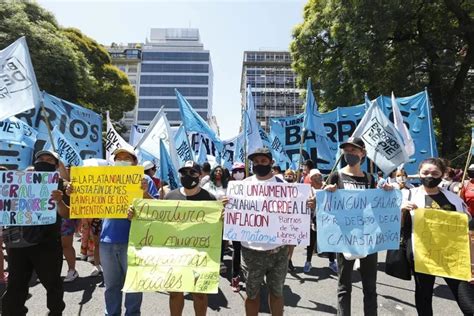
<point>313,172</point>
<point>147,165</point>
<point>471,167</point>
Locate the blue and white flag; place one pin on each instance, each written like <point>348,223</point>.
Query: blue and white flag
<point>183,149</point>
<point>251,126</point>
<point>19,90</point>
<point>313,122</point>
<point>66,151</point>
<point>383,143</point>
<point>228,153</point>
<point>278,152</point>
<point>113,140</point>
<point>167,170</point>
<point>136,133</point>
<point>239,152</point>
<point>402,128</point>
<point>15,131</point>
<point>159,129</point>
<point>201,157</point>
<point>193,122</point>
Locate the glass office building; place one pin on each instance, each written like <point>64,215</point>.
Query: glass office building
<point>273,84</point>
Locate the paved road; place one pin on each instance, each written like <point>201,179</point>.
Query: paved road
<point>305,294</point>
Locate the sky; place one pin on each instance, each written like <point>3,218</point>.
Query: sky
<point>227,29</point>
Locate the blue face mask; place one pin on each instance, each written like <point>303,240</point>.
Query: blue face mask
<point>122,163</point>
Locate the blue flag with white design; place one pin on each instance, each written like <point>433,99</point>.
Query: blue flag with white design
<point>183,148</point>
<point>15,131</point>
<point>313,122</point>
<point>251,126</point>
<point>201,157</point>
<point>68,153</point>
<point>167,171</point>
<point>193,122</point>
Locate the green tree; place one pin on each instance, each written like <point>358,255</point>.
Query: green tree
<point>352,47</point>
<point>67,63</point>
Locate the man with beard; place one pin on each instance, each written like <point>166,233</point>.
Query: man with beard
<point>37,248</point>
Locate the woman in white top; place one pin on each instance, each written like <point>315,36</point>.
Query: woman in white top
<point>217,184</point>
<point>430,195</point>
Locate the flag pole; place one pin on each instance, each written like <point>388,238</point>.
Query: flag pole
<point>298,172</point>
<point>48,123</point>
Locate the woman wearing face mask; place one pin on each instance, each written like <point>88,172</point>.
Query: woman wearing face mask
<point>430,195</point>
<point>238,173</point>
<point>402,180</point>
<point>352,177</point>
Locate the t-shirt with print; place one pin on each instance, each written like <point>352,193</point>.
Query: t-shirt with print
<point>202,195</point>
<point>257,245</point>
<point>348,182</point>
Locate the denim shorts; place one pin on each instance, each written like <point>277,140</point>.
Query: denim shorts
<point>269,265</point>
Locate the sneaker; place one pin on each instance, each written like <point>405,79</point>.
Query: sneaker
<point>291,267</point>
<point>333,266</point>
<point>357,265</point>
<point>223,268</point>
<point>90,259</point>
<point>71,276</point>
<point>83,257</point>
<point>307,267</point>
<point>96,271</point>
<point>235,284</point>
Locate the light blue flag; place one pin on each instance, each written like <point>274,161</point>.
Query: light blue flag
<point>15,131</point>
<point>251,126</point>
<point>67,152</point>
<point>201,157</point>
<point>167,171</point>
<point>372,225</point>
<point>183,148</point>
<point>278,153</point>
<point>193,122</point>
<point>472,140</point>
<point>313,122</point>
<point>239,152</point>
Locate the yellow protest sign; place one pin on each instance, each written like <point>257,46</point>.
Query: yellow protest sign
<point>174,246</point>
<point>441,243</point>
<point>104,192</point>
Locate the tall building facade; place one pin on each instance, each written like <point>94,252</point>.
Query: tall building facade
<point>174,58</point>
<point>273,84</point>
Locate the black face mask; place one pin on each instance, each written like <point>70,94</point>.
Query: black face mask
<point>430,182</point>
<point>189,182</point>
<point>351,159</point>
<point>470,174</point>
<point>262,170</point>
<point>44,166</point>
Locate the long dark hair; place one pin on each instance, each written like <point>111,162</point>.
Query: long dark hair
<point>434,161</point>
<point>224,177</point>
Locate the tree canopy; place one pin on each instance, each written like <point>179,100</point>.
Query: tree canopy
<point>67,63</point>
<point>352,47</point>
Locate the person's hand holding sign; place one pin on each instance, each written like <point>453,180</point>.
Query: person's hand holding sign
<point>330,187</point>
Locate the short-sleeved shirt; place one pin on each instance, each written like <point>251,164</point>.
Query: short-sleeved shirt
<point>347,182</point>
<point>439,201</point>
<point>202,195</point>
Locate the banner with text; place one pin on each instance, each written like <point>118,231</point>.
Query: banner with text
<point>358,222</point>
<point>267,212</point>
<point>174,246</point>
<point>441,244</point>
<point>26,198</point>
<point>104,192</point>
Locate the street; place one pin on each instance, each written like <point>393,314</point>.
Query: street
<point>305,294</point>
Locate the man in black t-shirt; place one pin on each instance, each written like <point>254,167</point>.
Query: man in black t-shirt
<point>37,248</point>
<point>189,177</point>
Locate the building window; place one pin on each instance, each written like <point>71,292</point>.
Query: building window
<point>199,68</point>
<point>176,56</point>
<point>170,103</point>
<point>171,116</point>
<point>165,91</point>
<point>161,79</point>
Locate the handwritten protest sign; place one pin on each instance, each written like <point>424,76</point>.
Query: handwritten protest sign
<point>104,192</point>
<point>359,222</point>
<point>174,246</point>
<point>441,244</point>
<point>25,198</point>
<point>267,212</point>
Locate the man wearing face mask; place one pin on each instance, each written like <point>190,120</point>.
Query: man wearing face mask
<point>352,177</point>
<point>189,178</point>
<point>114,245</point>
<point>264,261</point>
<point>37,248</point>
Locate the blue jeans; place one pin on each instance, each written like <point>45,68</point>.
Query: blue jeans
<point>113,258</point>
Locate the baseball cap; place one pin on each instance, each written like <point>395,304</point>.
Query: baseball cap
<point>471,167</point>
<point>262,151</point>
<point>314,172</point>
<point>124,150</point>
<point>354,141</point>
<point>190,165</point>
<point>238,165</point>
<point>47,152</point>
<point>147,165</point>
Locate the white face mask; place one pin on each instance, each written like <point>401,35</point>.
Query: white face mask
<point>239,175</point>
<point>123,163</point>
<point>401,179</point>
